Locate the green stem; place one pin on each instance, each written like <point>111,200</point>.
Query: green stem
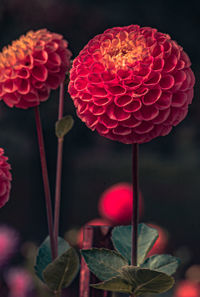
<point>58,171</point>
<point>45,179</point>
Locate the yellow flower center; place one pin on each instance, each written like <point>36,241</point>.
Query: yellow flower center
<point>124,50</point>
<point>13,54</point>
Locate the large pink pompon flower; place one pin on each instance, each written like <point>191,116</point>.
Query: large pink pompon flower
<point>132,84</point>
<point>31,67</point>
<point>5,179</point>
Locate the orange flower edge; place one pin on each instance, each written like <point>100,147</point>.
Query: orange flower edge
<point>33,65</point>
<point>131,84</point>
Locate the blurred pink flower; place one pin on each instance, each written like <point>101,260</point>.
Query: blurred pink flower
<point>161,243</point>
<point>5,179</point>
<point>187,289</point>
<point>19,282</point>
<point>116,203</point>
<point>8,244</point>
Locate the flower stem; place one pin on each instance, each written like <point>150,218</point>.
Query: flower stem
<point>84,287</point>
<point>58,170</point>
<point>45,179</point>
<point>135,216</point>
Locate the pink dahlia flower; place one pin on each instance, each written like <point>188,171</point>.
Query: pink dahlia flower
<point>132,84</point>
<point>5,179</point>
<point>8,244</point>
<point>31,67</point>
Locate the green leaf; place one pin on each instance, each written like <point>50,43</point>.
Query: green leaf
<point>43,257</point>
<point>103,263</point>
<point>145,280</point>
<point>163,263</point>
<point>63,126</point>
<point>61,272</point>
<point>137,281</point>
<point>115,284</point>
<point>122,241</point>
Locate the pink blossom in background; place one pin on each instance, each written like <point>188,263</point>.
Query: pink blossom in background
<point>187,289</point>
<point>116,204</point>
<point>5,178</point>
<point>8,244</point>
<point>19,282</point>
<point>161,243</point>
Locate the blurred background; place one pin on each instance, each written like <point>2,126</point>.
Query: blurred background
<point>169,166</point>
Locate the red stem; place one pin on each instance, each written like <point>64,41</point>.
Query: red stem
<point>84,287</point>
<point>58,170</point>
<point>135,217</point>
<point>45,179</point>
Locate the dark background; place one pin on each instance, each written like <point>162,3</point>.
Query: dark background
<point>169,166</point>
